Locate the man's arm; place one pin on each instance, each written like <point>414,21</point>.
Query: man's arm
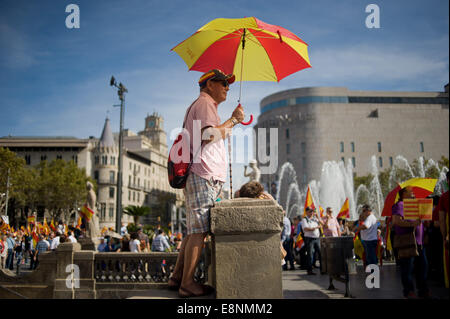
<point>397,220</point>
<point>212,134</point>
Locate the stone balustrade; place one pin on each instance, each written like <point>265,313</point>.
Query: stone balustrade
<point>242,260</point>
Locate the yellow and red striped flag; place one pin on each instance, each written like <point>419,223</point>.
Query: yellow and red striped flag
<point>52,225</point>
<point>35,237</point>
<point>66,229</point>
<point>31,219</point>
<point>86,212</point>
<point>344,213</point>
<point>321,211</point>
<point>388,235</point>
<point>308,202</point>
<point>46,227</point>
<point>79,222</point>
<point>299,241</point>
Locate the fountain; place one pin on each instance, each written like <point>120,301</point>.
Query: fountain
<point>336,184</point>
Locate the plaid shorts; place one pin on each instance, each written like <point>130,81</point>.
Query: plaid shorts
<point>200,195</point>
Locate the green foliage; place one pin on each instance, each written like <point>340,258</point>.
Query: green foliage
<point>137,212</point>
<point>59,186</point>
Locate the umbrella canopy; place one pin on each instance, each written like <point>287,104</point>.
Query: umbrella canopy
<point>422,187</point>
<point>271,52</point>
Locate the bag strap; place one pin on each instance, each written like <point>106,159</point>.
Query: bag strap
<point>187,112</point>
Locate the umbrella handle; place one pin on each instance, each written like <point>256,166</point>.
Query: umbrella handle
<point>249,121</point>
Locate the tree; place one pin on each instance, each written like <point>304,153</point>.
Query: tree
<point>13,167</point>
<point>137,212</point>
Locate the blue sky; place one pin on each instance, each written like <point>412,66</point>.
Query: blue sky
<point>55,81</point>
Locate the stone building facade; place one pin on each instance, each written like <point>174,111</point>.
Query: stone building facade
<point>144,168</point>
<point>317,124</point>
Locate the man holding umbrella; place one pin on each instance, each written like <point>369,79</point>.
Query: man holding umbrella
<point>207,175</point>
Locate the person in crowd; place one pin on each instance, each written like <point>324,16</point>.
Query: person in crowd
<point>331,226</point>
<point>160,242</point>
<point>253,189</point>
<point>71,237</point>
<point>287,241</point>
<point>419,264</point>
<point>123,230</point>
<point>41,247</point>
<point>134,243</point>
<point>144,237</point>
<point>125,243</point>
<point>343,227</point>
<point>3,251</point>
<point>444,222</point>
<point>102,247</point>
<point>311,225</point>
<point>369,234</point>
<point>19,249</point>
<point>56,240</point>
<point>10,254</point>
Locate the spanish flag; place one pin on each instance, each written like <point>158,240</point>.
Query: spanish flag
<point>345,210</point>
<point>52,225</point>
<point>86,212</point>
<point>66,229</point>
<point>299,241</point>
<point>78,226</point>
<point>35,237</point>
<point>31,219</point>
<point>321,211</point>
<point>308,202</point>
<point>46,228</point>
<point>104,230</point>
<point>3,225</point>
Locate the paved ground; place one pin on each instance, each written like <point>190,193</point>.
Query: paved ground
<point>297,284</point>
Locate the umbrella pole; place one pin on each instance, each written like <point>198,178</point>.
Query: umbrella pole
<point>239,102</point>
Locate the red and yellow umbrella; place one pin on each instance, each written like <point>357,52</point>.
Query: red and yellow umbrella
<point>422,187</point>
<point>271,52</point>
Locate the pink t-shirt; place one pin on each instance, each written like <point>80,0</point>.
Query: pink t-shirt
<point>333,226</point>
<point>211,162</point>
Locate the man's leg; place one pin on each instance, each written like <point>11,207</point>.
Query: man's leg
<point>177,274</point>
<point>317,248</point>
<point>192,254</point>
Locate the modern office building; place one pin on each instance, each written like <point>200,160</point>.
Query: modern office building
<point>144,164</point>
<point>318,124</point>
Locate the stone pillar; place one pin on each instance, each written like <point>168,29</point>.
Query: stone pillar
<point>246,257</point>
<point>64,254</point>
<point>85,262</point>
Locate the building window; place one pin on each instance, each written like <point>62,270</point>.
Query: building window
<point>59,157</point>
<point>96,160</point>
<point>379,146</point>
<point>96,176</point>
<point>134,196</point>
<point>111,192</point>
<point>352,144</point>
<point>129,195</point>
<point>421,147</point>
<point>288,148</point>
<point>138,196</point>
<point>28,159</point>
<point>268,149</point>
<point>353,162</point>
<point>111,211</point>
<point>303,147</point>
<point>102,210</point>
<point>130,166</point>
<point>287,133</point>
<point>43,157</point>
<point>111,176</point>
<point>342,147</point>
<point>380,161</point>
<point>139,182</point>
<point>113,160</point>
<point>343,159</point>
<point>391,162</point>
<point>304,162</point>
<point>75,159</point>
<point>305,180</point>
